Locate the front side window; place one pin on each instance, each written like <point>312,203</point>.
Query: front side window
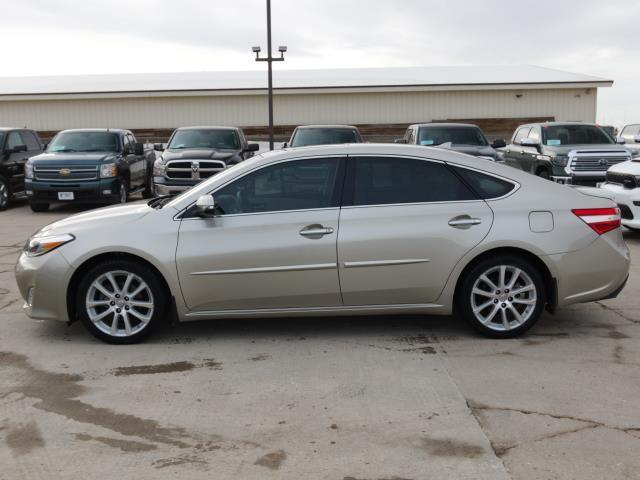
<point>454,135</point>
<point>555,135</point>
<point>294,185</point>
<point>324,136</point>
<point>630,131</point>
<point>224,139</point>
<point>30,140</point>
<point>534,134</point>
<point>84,142</point>
<point>521,134</point>
<point>393,180</point>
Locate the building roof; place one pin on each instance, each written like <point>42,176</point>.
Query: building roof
<point>451,77</point>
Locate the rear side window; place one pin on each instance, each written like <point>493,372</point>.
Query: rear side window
<point>30,140</point>
<point>14,139</point>
<point>393,180</point>
<point>486,186</point>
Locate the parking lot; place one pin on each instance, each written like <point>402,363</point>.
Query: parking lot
<point>341,398</point>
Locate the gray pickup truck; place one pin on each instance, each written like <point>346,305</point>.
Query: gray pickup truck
<point>197,153</point>
<point>569,153</point>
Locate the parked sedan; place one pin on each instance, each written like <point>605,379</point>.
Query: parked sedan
<point>308,135</point>
<point>334,230</point>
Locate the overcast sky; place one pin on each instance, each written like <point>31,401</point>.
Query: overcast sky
<point>57,37</point>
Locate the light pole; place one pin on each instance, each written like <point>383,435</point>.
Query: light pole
<point>269,59</point>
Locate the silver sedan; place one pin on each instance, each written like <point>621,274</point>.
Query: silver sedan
<point>333,230</point>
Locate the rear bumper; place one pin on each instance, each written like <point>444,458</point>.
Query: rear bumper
<point>629,201</point>
<point>105,190</point>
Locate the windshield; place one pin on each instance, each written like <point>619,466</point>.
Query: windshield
<point>324,136</point>
<point>554,135</point>
<point>454,135</point>
<point>205,138</point>
<point>85,142</point>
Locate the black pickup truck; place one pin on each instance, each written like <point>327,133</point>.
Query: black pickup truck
<point>17,145</point>
<point>89,166</point>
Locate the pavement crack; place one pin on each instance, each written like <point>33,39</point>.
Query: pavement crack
<point>617,312</point>
<point>8,304</point>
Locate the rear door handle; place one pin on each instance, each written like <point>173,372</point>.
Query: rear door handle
<point>315,231</point>
<point>464,221</point>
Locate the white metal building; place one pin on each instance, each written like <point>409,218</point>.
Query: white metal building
<point>379,99</point>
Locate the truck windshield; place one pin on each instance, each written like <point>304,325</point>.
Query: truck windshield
<point>454,135</point>
<point>205,138</point>
<point>85,142</point>
<point>324,136</point>
<point>554,135</point>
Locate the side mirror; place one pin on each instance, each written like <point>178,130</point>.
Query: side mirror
<point>138,148</point>
<point>529,142</point>
<point>637,138</point>
<point>252,147</point>
<point>621,141</point>
<point>285,145</point>
<point>158,147</point>
<point>399,140</point>
<point>205,206</point>
<point>499,143</point>
<point>18,148</point>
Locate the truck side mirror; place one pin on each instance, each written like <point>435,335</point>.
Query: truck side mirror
<point>158,147</point>
<point>637,138</point>
<point>499,143</point>
<point>252,147</point>
<point>138,148</point>
<point>621,141</point>
<point>529,142</point>
<point>399,140</point>
<point>205,206</point>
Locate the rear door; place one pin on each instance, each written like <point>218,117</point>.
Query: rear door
<point>404,224</point>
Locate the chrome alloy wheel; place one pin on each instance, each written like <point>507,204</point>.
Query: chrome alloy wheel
<point>123,193</point>
<point>4,194</point>
<point>503,298</point>
<point>119,303</point>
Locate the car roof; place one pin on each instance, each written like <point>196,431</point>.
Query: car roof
<point>351,127</point>
<point>96,130</point>
<point>444,124</point>
<point>208,127</point>
<point>558,124</point>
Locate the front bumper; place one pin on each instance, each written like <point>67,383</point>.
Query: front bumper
<point>165,186</point>
<point>583,180</point>
<point>628,199</point>
<point>42,282</point>
<point>105,190</point>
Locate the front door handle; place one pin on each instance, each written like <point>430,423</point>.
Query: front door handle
<point>315,231</point>
<point>464,221</point>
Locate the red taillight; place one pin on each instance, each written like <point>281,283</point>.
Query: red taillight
<point>601,220</point>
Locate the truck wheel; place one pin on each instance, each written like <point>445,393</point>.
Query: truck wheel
<point>121,301</point>
<point>39,207</point>
<point>4,194</point>
<point>502,296</point>
<point>123,195</point>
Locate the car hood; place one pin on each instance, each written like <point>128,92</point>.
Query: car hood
<point>198,154</point>
<point>78,158</point>
<point>631,166</point>
<point>99,218</point>
<point>475,150</point>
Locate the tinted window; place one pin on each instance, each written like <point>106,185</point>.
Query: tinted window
<point>454,135</point>
<point>205,138</point>
<point>84,142</point>
<point>126,143</point>
<point>14,139</point>
<point>389,180</point>
<point>324,136</point>
<point>630,131</point>
<point>30,140</point>
<point>485,185</point>
<point>554,135</point>
<point>522,133</point>
<point>295,185</point>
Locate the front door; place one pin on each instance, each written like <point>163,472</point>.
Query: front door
<point>272,244</point>
<point>405,224</point>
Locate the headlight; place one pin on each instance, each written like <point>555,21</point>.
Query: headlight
<point>28,170</point>
<point>37,246</point>
<point>108,170</point>
<point>560,160</point>
<point>159,168</point>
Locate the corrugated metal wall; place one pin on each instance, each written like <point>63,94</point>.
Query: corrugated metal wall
<point>295,109</point>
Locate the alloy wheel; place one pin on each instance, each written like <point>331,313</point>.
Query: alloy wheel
<point>503,298</point>
<point>119,303</point>
<point>4,194</point>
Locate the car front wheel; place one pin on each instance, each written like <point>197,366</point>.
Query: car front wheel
<point>121,301</point>
<point>502,297</point>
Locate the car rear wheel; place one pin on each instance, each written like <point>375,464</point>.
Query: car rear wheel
<point>502,297</point>
<point>121,302</point>
<point>4,194</point>
<point>39,207</point>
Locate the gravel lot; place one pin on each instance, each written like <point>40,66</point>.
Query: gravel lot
<point>360,398</point>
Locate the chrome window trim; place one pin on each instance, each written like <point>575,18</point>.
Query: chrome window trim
<point>516,184</point>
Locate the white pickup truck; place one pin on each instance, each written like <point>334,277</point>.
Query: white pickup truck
<point>623,184</point>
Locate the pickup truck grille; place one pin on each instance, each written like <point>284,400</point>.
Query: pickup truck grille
<point>596,160</point>
<point>66,174</point>
<point>624,179</point>
<point>194,169</point>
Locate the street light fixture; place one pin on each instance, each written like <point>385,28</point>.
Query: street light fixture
<point>270,59</point>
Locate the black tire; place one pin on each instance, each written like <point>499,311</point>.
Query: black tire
<point>158,297</point>
<point>544,173</point>
<point>5,193</point>
<point>39,207</point>
<point>148,191</point>
<point>123,194</point>
<point>505,304</point>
